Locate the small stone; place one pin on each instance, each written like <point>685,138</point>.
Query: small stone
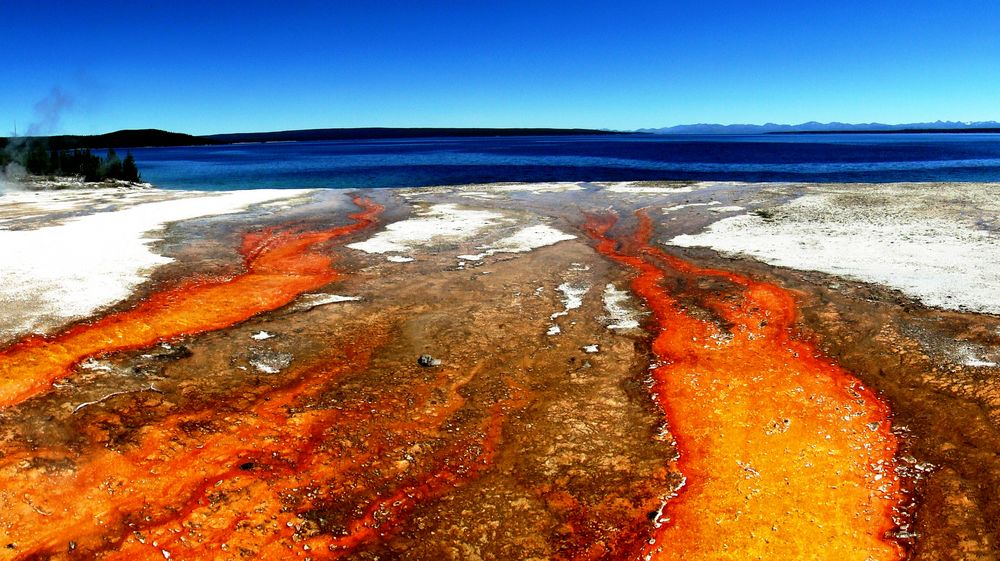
<point>427,361</point>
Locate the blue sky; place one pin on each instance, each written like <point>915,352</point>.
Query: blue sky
<point>216,66</point>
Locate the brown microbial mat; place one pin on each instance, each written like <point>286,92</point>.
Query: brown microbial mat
<point>543,371</point>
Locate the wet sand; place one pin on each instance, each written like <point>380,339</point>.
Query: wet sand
<point>259,395</point>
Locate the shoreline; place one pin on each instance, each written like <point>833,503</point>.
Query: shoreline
<point>33,183</point>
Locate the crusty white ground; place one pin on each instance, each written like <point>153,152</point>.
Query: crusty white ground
<point>310,301</point>
<point>970,356</point>
<point>621,314</point>
<point>655,188</point>
<point>58,273</point>
<point>554,187</point>
<point>20,208</point>
<point>640,189</point>
<point>688,205</point>
<point>438,223</point>
<point>937,243</point>
<point>572,297</point>
<point>522,241</point>
<point>491,190</point>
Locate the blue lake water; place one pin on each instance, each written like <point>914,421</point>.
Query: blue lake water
<point>444,161</point>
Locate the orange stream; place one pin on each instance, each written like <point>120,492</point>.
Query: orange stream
<point>179,489</point>
<point>279,266</point>
<point>238,481</point>
<point>785,454</point>
<point>240,484</point>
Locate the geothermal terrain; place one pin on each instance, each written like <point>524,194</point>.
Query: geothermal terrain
<point>509,371</point>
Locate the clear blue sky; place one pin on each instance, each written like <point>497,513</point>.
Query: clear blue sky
<point>216,66</point>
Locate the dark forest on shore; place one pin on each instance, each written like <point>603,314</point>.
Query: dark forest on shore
<point>43,157</point>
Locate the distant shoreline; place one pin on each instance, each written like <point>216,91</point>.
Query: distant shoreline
<point>156,138</point>
<point>62,183</point>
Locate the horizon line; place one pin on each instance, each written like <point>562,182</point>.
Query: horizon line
<point>954,125</point>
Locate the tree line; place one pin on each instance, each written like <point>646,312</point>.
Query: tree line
<point>38,158</point>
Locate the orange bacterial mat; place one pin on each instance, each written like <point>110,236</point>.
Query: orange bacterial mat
<point>785,454</point>
<point>278,267</point>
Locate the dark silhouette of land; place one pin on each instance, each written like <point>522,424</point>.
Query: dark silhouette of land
<point>118,139</point>
<point>373,133</point>
<point>154,137</point>
<point>70,155</point>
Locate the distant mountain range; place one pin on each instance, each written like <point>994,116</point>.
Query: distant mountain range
<point>816,127</point>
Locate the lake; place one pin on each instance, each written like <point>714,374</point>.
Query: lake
<point>440,161</point>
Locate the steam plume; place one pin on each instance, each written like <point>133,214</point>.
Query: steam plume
<point>49,111</point>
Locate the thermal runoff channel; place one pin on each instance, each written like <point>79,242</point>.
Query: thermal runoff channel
<point>785,455</point>
<point>279,265</point>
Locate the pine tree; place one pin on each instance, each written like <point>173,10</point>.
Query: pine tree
<point>55,162</point>
<point>129,170</point>
<point>112,168</point>
<point>90,166</point>
<point>37,161</point>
